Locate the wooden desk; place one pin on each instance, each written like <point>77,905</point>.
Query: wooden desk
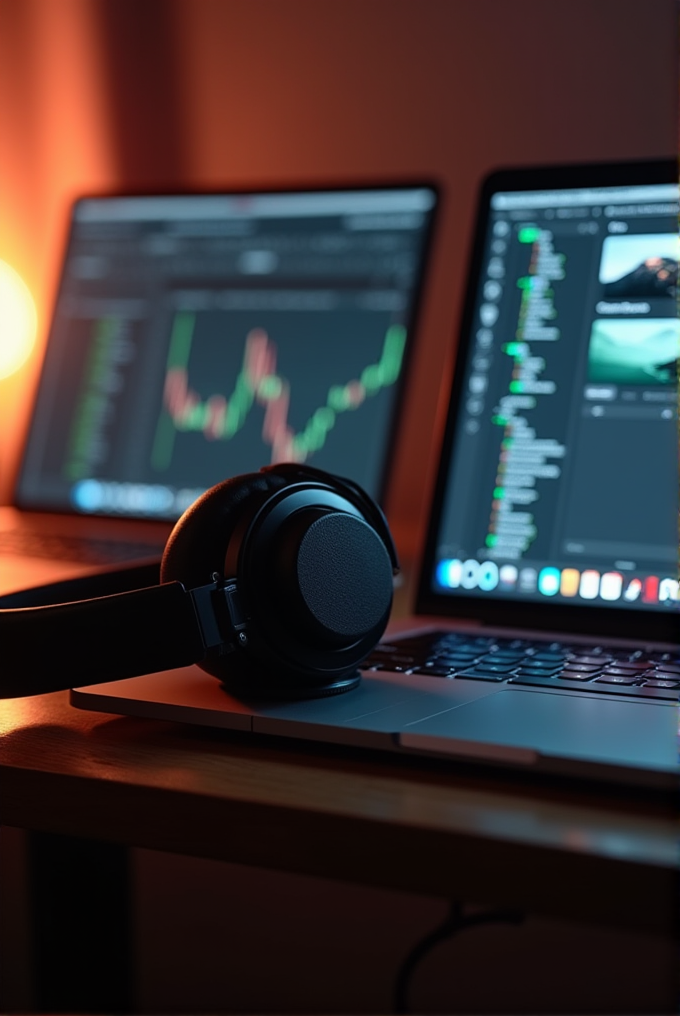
<point>425,827</point>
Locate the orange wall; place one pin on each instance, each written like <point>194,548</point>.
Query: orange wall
<point>53,141</point>
<point>100,93</point>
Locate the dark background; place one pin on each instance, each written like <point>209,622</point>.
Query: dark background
<point>104,94</point>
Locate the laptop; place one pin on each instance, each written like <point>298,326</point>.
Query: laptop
<point>184,325</point>
<point>546,635</point>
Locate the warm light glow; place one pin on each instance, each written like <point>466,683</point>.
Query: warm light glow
<point>18,320</point>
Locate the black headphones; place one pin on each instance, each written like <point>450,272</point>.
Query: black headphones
<point>279,583</point>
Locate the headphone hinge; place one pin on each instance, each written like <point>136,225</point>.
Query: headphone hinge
<point>237,619</point>
<point>209,603</point>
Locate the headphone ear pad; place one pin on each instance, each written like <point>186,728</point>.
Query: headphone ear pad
<point>198,544</point>
<point>313,580</point>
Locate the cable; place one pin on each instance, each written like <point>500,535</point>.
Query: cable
<point>455,922</point>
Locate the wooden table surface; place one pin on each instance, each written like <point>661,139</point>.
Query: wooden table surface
<point>428,827</point>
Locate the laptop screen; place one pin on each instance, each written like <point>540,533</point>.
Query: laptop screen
<point>559,480</point>
<point>198,337</point>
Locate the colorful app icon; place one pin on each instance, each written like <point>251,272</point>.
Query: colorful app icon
<point>569,581</point>
<point>507,576</point>
<point>650,589</point>
<point>668,590</point>
<point>549,581</point>
<point>611,585</point>
<point>589,586</point>
<point>632,590</point>
<point>449,573</point>
<point>488,576</point>
<point>470,575</point>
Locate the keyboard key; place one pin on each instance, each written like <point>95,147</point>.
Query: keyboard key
<point>481,675</point>
<point>546,671</point>
<point>619,671</point>
<point>637,691</point>
<point>434,671</point>
<point>457,658</point>
<point>670,668</point>
<point>576,675</point>
<point>495,668</point>
<point>642,664</point>
<point>617,679</point>
<point>546,682</point>
<point>501,660</point>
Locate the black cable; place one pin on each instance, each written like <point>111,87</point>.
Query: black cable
<point>455,922</point>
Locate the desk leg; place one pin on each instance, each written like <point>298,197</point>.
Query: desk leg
<point>81,924</point>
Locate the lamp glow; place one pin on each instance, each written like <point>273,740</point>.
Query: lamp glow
<point>18,321</point>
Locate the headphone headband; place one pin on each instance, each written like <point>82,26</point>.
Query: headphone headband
<point>83,642</point>
<point>286,572</point>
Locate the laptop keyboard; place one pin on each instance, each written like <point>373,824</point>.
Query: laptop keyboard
<point>74,548</point>
<point>537,663</point>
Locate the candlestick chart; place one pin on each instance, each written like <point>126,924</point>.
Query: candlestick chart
<point>241,394</point>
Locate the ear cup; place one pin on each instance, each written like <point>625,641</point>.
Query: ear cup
<point>197,546</point>
<point>314,578</point>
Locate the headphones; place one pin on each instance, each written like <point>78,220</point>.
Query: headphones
<point>279,583</point>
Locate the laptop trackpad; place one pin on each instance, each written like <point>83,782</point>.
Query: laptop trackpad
<point>526,725</point>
